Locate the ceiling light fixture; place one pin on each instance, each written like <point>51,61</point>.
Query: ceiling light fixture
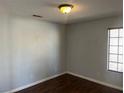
<point>65,8</point>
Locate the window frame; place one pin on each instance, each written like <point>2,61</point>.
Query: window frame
<point>108,48</point>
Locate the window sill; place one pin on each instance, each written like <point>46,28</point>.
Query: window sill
<point>115,71</point>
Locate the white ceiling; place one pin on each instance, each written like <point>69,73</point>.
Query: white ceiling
<point>83,9</point>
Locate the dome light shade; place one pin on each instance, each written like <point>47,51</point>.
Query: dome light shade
<point>65,8</point>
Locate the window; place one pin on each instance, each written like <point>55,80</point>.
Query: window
<point>115,49</point>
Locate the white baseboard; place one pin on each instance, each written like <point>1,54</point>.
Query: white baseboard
<point>96,81</point>
<point>35,83</point>
<point>81,76</point>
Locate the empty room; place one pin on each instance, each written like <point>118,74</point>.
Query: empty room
<point>61,46</point>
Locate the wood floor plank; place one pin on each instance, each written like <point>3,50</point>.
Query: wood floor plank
<point>69,84</point>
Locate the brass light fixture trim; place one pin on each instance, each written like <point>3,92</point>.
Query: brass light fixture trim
<point>65,8</point>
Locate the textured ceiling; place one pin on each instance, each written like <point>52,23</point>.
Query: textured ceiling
<point>83,9</point>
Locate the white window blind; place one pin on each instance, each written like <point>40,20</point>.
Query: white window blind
<point>115,49</point>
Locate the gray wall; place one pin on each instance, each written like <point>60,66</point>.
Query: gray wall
<point>30,50</point>
<point>87,49</point>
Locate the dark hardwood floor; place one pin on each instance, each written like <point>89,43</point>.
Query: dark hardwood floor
<point>69,84</point>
